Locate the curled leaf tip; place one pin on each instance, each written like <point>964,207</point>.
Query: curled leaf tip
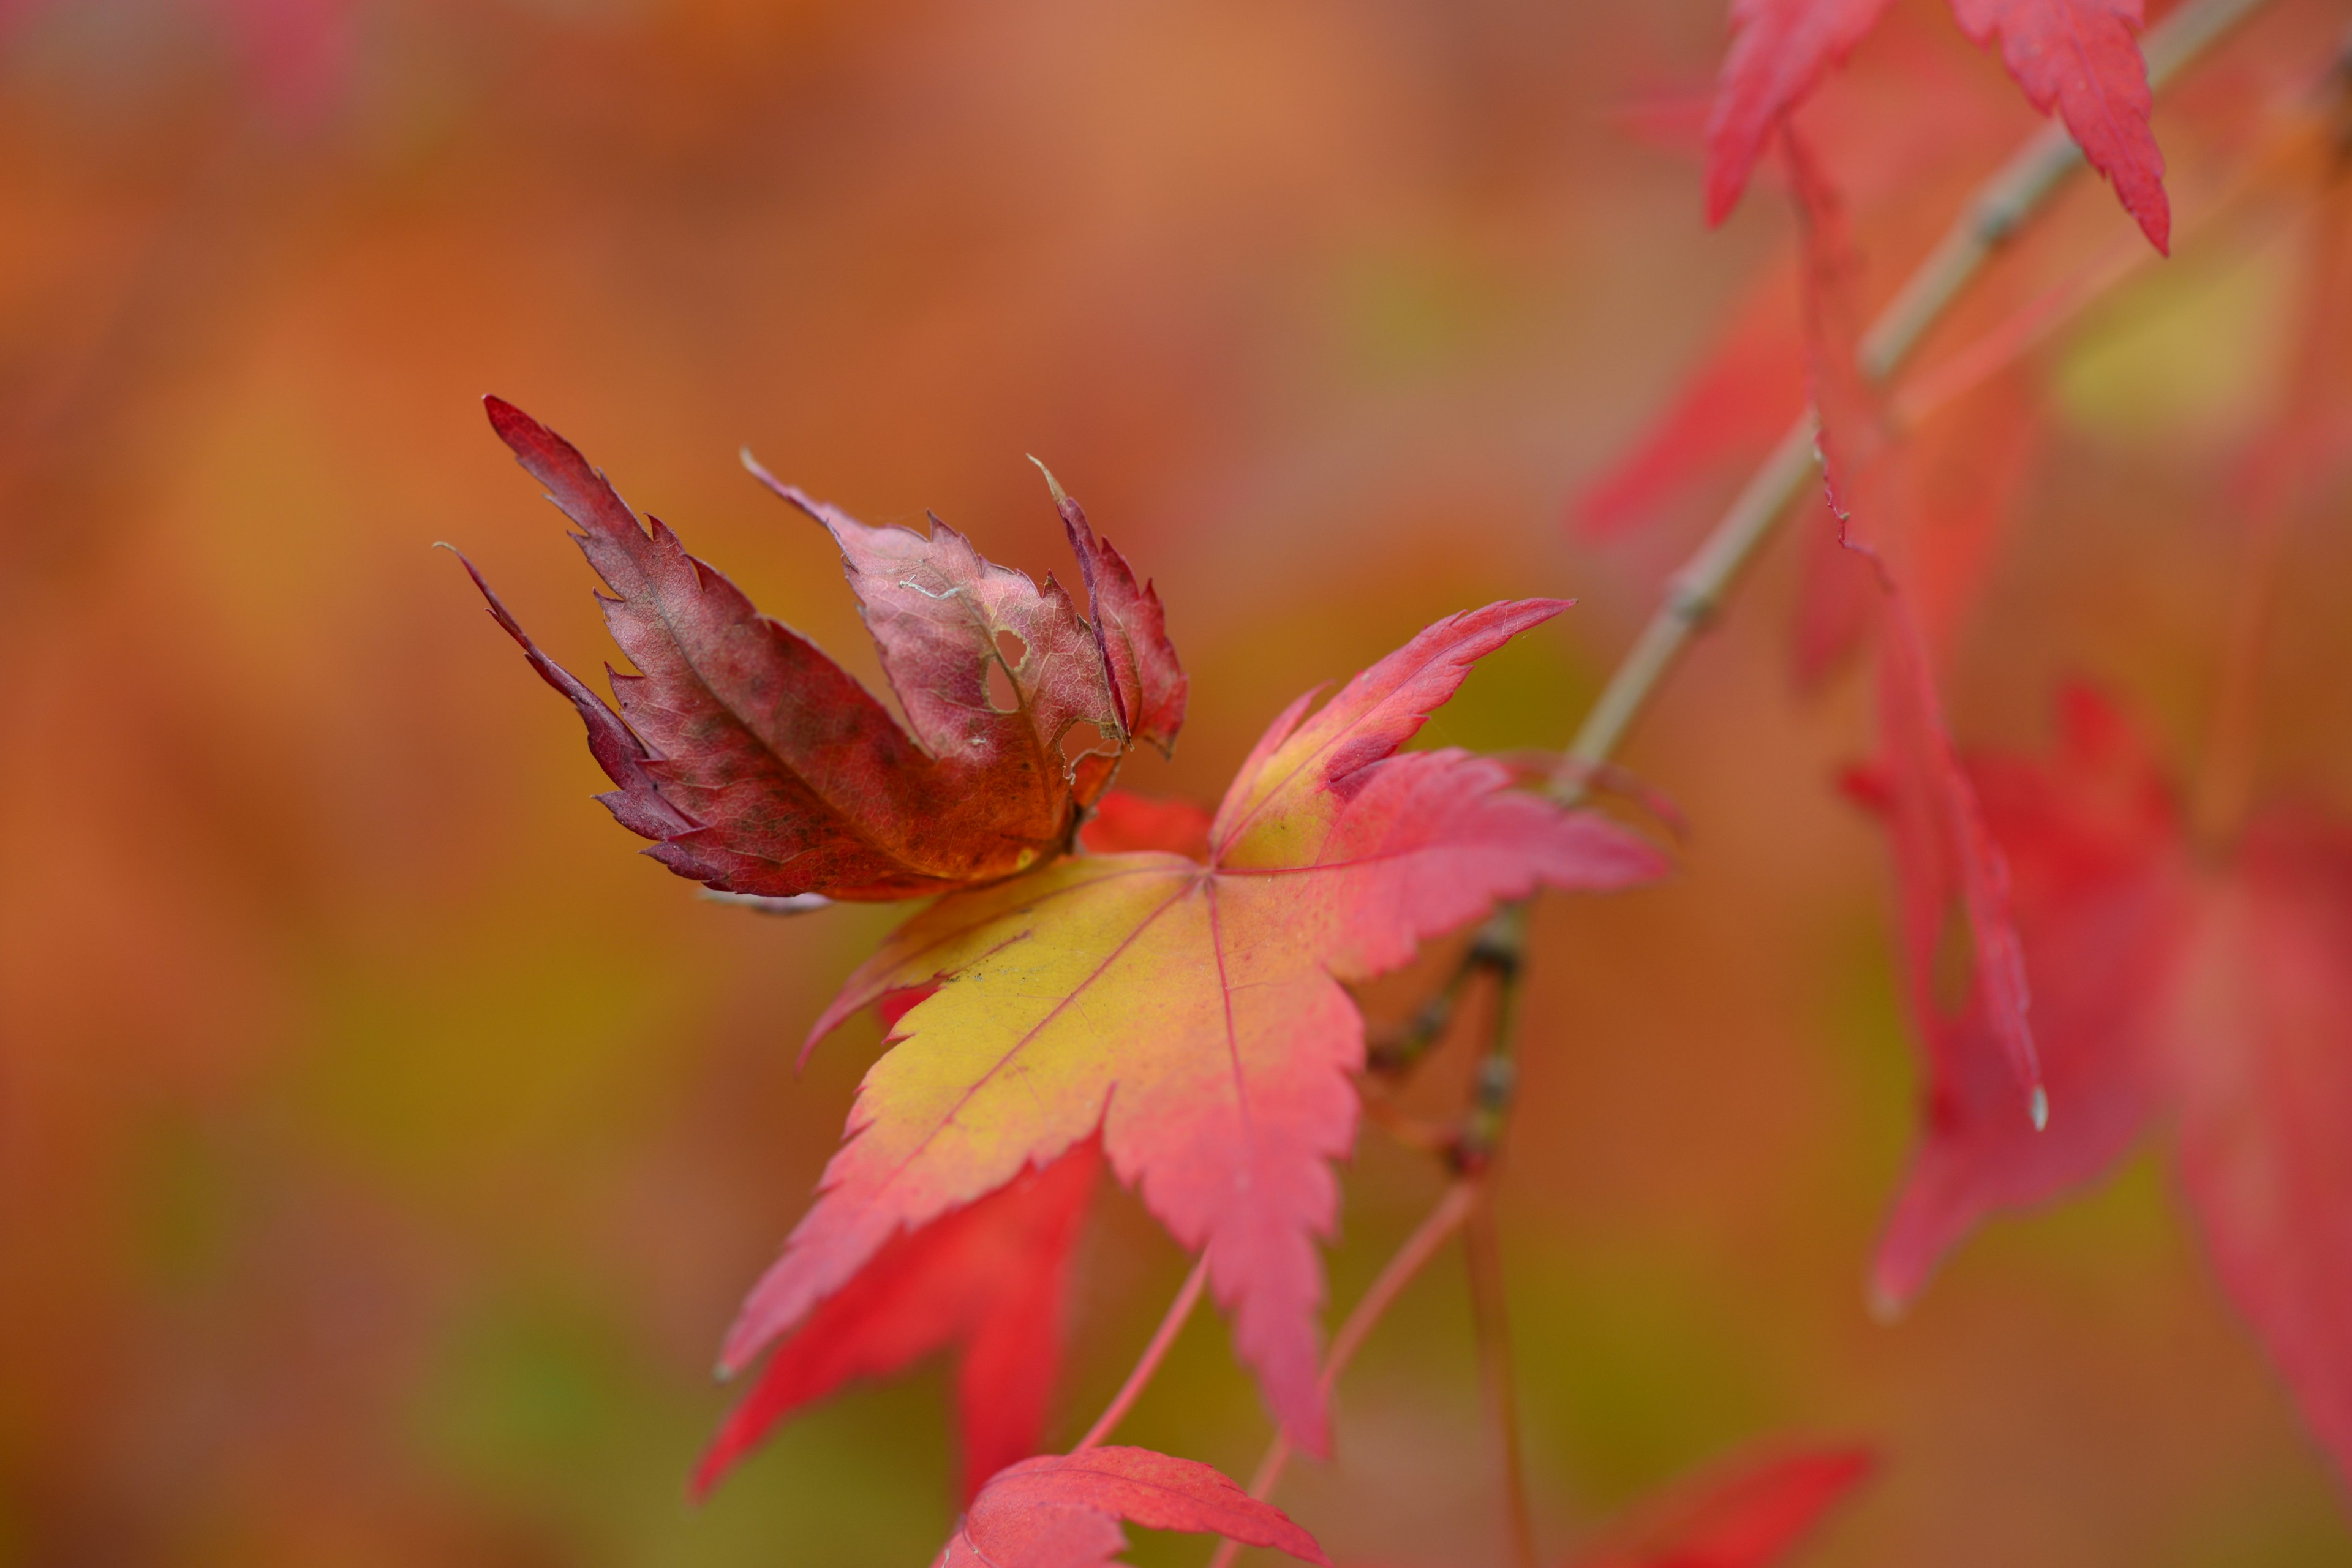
<point>1061,496</point>
<point>753,467</point>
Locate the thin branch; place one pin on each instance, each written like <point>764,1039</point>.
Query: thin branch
<point>1416,1133</point>
<point>1187,1296</point>
<point>1396,1057</point>
<point>1410,1258</point>
<point>1490,1312</point>
<point>2225,780</point>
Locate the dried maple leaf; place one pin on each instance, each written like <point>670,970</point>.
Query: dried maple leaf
<point>1191,1011</point>
<point>1131,630</point>
<point>1063,1510</point>
<point>1750,1517</point>
<point>2079,58</point>
<point>987,1278</point>
<point>758,766</point>
<point>2164,983</point>
<point>1959,943</point>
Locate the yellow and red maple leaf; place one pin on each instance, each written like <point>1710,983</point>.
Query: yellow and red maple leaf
<point>1191,1011</point>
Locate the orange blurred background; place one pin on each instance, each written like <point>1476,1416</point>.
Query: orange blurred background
<point>384,1146</point>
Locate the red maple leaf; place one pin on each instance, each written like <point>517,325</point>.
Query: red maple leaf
<point>2221,994</point>
<point>987,1278</point>
<point>1748,1516</point>
<point>1951,883</point>
<point>757,765</point>
<point>1122,821</point>
<point>1779,51</point>
<point>1063,1510</point>
<point>2079,58</point>
<point>1192,1012</point>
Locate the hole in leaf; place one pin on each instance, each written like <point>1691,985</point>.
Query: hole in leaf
<point>1084,740</point>
<point>1004,695</point>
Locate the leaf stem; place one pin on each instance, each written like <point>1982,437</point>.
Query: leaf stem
<point>2225,780</point>
<point>1188,1295</point>
<point>1412,1256</point>
<point>1490,1310</point>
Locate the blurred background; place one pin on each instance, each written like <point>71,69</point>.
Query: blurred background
<point>384,1144</point>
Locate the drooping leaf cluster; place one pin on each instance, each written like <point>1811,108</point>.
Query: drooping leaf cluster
<point>2094,941</point>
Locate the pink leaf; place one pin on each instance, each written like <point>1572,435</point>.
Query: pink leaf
<point>1063,1510</point>
<point>1952,885</point>
<point>1192,1012</point>
<point>1779,54</point>
<point>2080,57</point>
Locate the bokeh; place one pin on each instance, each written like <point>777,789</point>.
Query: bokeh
<point>383,1145</point>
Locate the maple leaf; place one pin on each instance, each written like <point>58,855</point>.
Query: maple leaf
<point>988,1279</point>
<point>1122,821</point>
<point>2221,994</point>
<point>1952,885</point>
<point>2212,990</point>
<point>2082,59</point>
<point>1779,51</point>
<point>2079,58</point>
<point>758,766</point>
<point>1063,1510</point>
<point>1750,1517</point>
<point>1130,633</point>
<point>1191,1010</point>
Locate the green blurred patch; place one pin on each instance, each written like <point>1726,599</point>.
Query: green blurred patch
<point>542,1403</point>
<point>1635,1373</point>
<point>468,1054</point>
<point>1525,694</point>
<point>1867,1043</point>
<point>1405,308</point>
<point>185,1205</point>
<point>2188,353</point>
<point>2291,1516</point>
